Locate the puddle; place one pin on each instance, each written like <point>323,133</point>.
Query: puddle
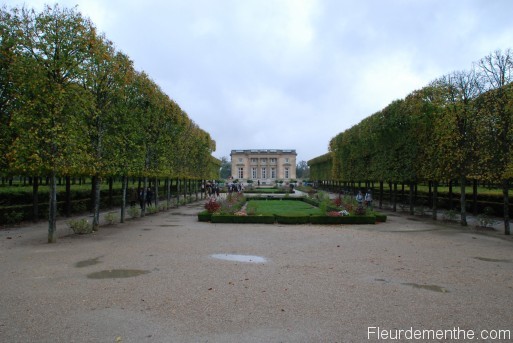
<point>240,258</point>
<point>169,225</point>
<point>87,263</point>
<point>117,273</point>
<point>433,288</point>
<point>486,259</point>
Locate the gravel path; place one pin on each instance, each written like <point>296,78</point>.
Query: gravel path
<point>170,278</point>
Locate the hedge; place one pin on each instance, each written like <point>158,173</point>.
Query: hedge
<point>204,216</point>
<point>283,219</point>
<point>225,218</point>
<point>343,220</point>
<point>381,217</point>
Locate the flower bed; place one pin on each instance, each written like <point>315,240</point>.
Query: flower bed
<point>286,213</point>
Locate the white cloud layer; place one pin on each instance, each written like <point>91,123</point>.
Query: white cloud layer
<point>292,74</point>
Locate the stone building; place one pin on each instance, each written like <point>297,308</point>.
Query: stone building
<point>264,165</point>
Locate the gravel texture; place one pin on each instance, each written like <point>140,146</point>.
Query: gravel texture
<point>157,279</point>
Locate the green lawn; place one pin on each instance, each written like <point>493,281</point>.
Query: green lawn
<point>281,207</point>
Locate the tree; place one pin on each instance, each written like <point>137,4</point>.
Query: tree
<point>53,45</point>
<point>226,168</point>
<point>7,84</point>
<point>100,80</point>
<point>456,129</point>
<point>302,170</point>
<point>496,71</point>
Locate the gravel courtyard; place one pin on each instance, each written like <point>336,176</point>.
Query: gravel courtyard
<point>170,278</point>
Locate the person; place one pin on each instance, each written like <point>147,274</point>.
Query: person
<point>133,196</point>
<point>359,198</point>
<point>368,198</point>
<point>149,197</point>
<point>141,197</point>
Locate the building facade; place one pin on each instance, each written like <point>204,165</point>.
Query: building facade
<point>264,165</point>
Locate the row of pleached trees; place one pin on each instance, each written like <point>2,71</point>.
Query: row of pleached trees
<point>71,104</point>
<point>459,127</point>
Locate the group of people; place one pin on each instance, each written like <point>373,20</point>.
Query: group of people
<point>138,196</point>
<point>235,187</point>
<point>367,199</point>
<point>211,188</point>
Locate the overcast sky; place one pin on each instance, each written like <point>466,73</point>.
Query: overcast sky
<point>272,74</point>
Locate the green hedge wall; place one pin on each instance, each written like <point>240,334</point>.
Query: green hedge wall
<point>292,219</point>
<point>343,220</point>
<point>224,218</point>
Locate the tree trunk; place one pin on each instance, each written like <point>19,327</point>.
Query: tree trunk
<point>93,192</point>
<point>394,198</point>
<point>124,185</point>
<point>157,193</point>
<point>196,189</point>
<point>96,202</point>
<point>451,206</point>
<point>463,201</point>
<point>435,200</point>
<point>474,197</point>
<point>505,189</point>
<point>144,195</point>
<point>68,196</point>
<point>177,192</point>
<point>35,199</point>
<point>412,200</point>
<point>185,186</point>
<point>381,194</point>
<point>168,193</point>
<point>52,210</point>
<point>110,191</point>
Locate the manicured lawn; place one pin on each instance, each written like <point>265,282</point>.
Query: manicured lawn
<point>281,207</point>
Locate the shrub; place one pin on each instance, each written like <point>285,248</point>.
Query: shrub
<point>486,219</point>
<point>360,211</point>
<point>12,217</point>
<point>134,212</point>
<point>450,215</point>
<point>343,220</point>
<point>282,219</point>
<point>111,217</point>
<point>232,204</point>
<point>80,226</point>
<point>212,206</point>
<point>226,218</point>
<point>151,209</point>
<point>204,216</point>
<point>380,217</point>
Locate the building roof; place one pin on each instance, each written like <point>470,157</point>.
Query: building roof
<point>263,151</point>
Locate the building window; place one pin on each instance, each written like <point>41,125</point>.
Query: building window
<point>286,172</point>
<point>273,173</point>
<point>273,160</point>
<point>254,160</point>
<point>240,159</point>
<point>264,160</point>
<point>286,160</point>
<point>241,173</point>
<point>264,173</point>
<point>253,173</point>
